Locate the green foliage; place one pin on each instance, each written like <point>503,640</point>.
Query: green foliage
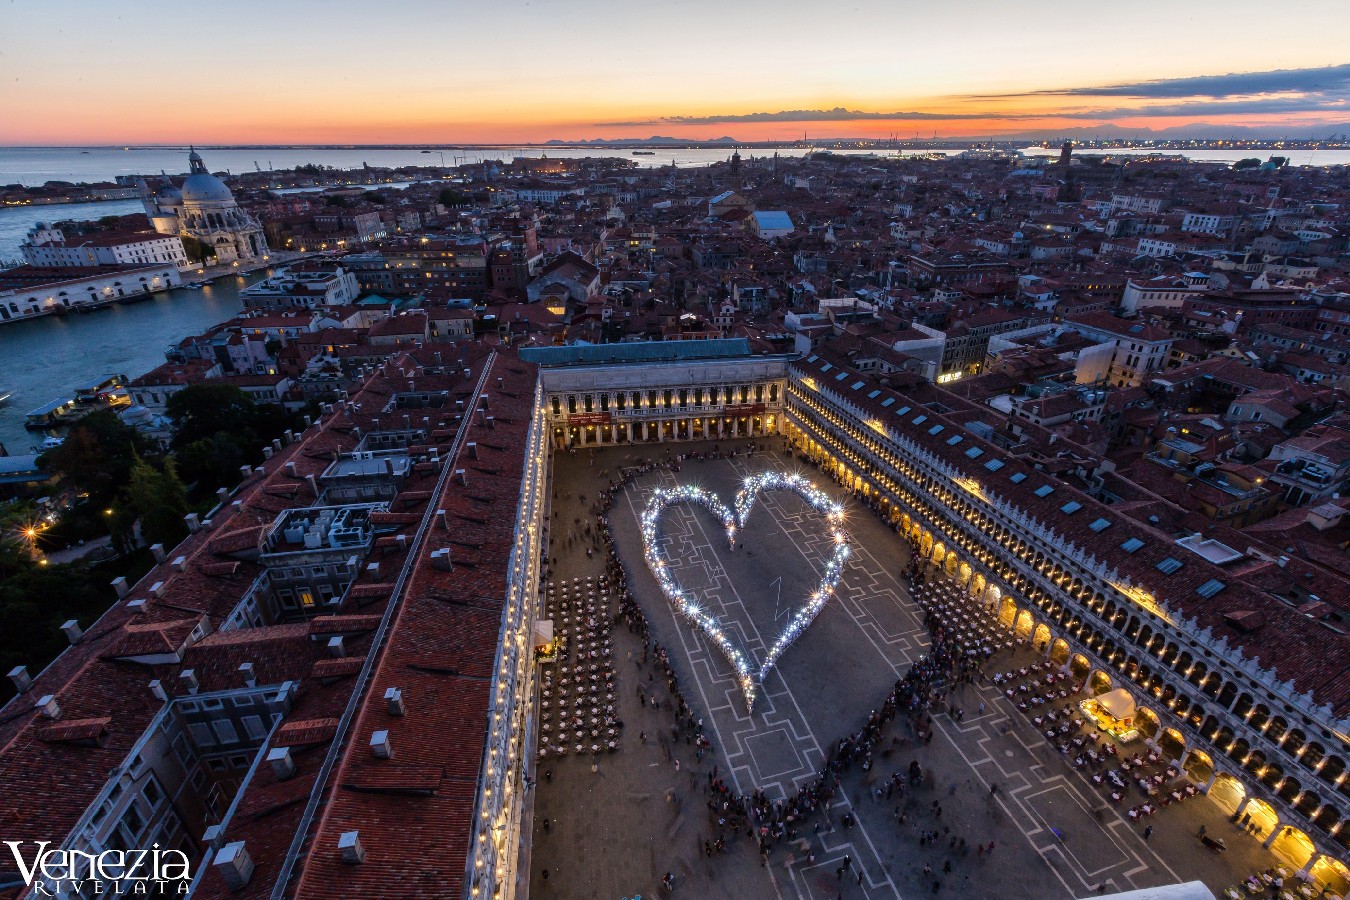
<point>36,599</point>
<point>336,201</point>
<point>159,500</point>
<point>196,250</point>
<point>217,429</point>
<point>452,197</point>
<point>96,455</point>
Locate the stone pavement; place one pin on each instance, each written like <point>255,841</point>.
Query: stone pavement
<point>613,832</point>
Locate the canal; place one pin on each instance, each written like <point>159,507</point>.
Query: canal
<point>42,359</point>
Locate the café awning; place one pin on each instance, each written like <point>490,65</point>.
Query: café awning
<point>1118,703</point>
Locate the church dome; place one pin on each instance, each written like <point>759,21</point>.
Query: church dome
<point>203,186</point>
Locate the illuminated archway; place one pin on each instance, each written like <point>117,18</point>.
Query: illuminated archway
<point>1262,816</point>
<point>1025,624</point>
<point>1331,874</point>
<point>977,586</point>
<point>1146,720</point>
<point>1293,846</point>
<point>1040,638</point>
<point>1098,683</point>
<point>939,552</point>
<point>1199,766</point>
<point>1171,742</point>
<point>1227,793</point>
<point>963,573</point>
<point>949,565</point>
<point>1059,651</point>
<point>1007,613</point>
<point>925,543</point>
<point>1079,666</point>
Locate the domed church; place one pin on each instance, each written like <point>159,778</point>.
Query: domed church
<point>205,209</point>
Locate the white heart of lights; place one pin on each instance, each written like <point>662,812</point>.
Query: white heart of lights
<point>747,674</point>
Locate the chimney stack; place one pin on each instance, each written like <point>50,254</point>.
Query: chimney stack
<point>235,866</point>
<point>23,681</point>
<point>48,706</point>
<point>188,678</point>
<point>379,743</point>
<point>283,766</point>
<point>394,698</point>
<point>250,678</point>
<point>223,494</point>
<point>353,854</point>
<point>72,630</point>
<point>157,688</point>
<point>440,520</point>
<point>179,563</point>
<point>120,585</point>
<point>473,449</point>
<point>157,551</point>
<point>337,647</point>
<point>194,522</point>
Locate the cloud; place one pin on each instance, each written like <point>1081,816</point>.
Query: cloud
<point>1326,80</point>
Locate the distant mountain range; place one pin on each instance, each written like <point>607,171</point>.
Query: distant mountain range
<point>654,139</point>
<point>1105,131</point>
<point>1192,131</point>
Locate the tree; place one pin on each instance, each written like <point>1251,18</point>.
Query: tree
<point>201,410</point>
<point>212,461</point>
<point>196,250</point>
<point>159,500</point>
<point>96,455</point>
<point>452,197</point>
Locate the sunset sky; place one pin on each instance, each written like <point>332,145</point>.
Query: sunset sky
<point>417,71</point>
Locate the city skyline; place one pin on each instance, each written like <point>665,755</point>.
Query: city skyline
<point>305,74</point>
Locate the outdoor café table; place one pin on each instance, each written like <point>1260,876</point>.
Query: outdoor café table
<point>1232,894</point>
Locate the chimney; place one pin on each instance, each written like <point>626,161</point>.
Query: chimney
<point>313,485</point>
<point>374,570</point>
<point>394,699</point>
<point>179,563</point>
<point>245,472</point>
<point>157,688</point>
<point>250,678</point>
<point>402,541</point>
<point>440,559</point>
<point>337,647</point>
<point>157,551</point>
<point>23,681</point>
<point>194,522</point>
<point>157,590</point>
<point>473,449</point>
<point>290,436</point>
<point>491,422</point>
<point>234,865</point>
<point>440,520</point>
<point>72,630</point>
<point>379,743</point>
<point>120,585</point>
<point>463,478</point>
<point>188,678</point>
<point>267,452</point>
<point>223,494</point>
<point>48,706</point>
<point>279,758</point>
<point>137,605</point>
<point>349,844</point>
<point>276,444</point>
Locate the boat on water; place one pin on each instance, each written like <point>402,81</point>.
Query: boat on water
<point>59,412</point>
<point>4,397</point>
<point>644,152</point>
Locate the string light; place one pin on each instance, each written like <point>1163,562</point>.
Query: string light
<point>748,675</point>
